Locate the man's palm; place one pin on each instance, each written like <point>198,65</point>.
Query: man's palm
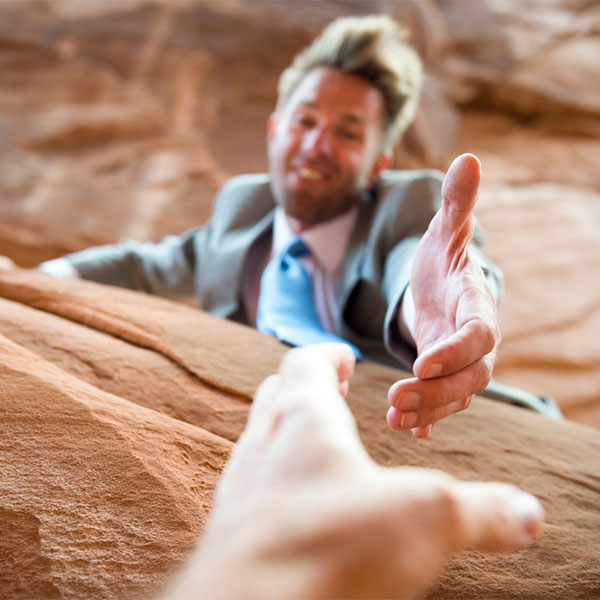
<point>456,328</point>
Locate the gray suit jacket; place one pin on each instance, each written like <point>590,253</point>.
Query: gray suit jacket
<point>208,261</point>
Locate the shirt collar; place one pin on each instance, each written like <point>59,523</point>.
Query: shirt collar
<point>327,241</point>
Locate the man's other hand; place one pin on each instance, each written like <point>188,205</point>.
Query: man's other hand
<point>456,325</point>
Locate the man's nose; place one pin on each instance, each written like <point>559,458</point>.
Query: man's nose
<point>317,140</point>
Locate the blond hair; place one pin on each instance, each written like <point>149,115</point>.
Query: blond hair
<point>374,48</point>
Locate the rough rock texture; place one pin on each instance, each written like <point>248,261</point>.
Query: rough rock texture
<point>99,496</point>
<point>121,119</point>
<point>118,410</point>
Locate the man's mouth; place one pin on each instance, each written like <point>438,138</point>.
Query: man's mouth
<point>308,173</point>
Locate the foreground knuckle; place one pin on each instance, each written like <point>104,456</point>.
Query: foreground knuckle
<point>267,387</point>
<point>290,359</point>
<point>448,505</point>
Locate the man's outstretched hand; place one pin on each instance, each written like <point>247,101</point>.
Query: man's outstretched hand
<point>456,326</point>
<point>303,512</point>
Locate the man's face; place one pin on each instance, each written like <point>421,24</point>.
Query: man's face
<point>325,145</point>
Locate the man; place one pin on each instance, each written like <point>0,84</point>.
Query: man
<point>386,272</point>
<point>302,511</point>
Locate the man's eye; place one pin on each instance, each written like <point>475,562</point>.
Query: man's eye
<point>350,135</point>
<point>305,121</point>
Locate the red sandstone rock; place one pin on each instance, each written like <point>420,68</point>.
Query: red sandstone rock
<point>99,497</point>
<point>103,497</point>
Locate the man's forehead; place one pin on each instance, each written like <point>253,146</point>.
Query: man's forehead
<point>326,87</point>
<point>352,116</point>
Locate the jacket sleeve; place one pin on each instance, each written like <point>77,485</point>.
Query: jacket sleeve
<point>165,268</point>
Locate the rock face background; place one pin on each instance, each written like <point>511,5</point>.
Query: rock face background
<point>120,119</point>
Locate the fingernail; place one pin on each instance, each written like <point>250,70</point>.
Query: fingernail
<point>433,370</point>
<point>392,393</point>
<point>408,419</point>
<point>408,401</point>
<point>422,432</point>
<point>530,512</point>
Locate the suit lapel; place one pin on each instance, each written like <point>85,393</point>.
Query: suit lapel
<point>355,254</point>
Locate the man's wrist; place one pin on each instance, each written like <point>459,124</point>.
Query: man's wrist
<point>59,267</point>
<point>406,317</point>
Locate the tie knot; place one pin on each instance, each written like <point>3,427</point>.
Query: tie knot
<point>297,248</point>
<point>286,306</point>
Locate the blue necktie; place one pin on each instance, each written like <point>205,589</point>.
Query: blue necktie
<point>285,306</point>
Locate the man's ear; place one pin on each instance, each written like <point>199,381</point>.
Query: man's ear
<point>271,127</point>
<point>383,162</point>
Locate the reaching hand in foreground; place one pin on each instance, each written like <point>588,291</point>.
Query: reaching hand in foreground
<point>303,512</point>
<point>456,326</point>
